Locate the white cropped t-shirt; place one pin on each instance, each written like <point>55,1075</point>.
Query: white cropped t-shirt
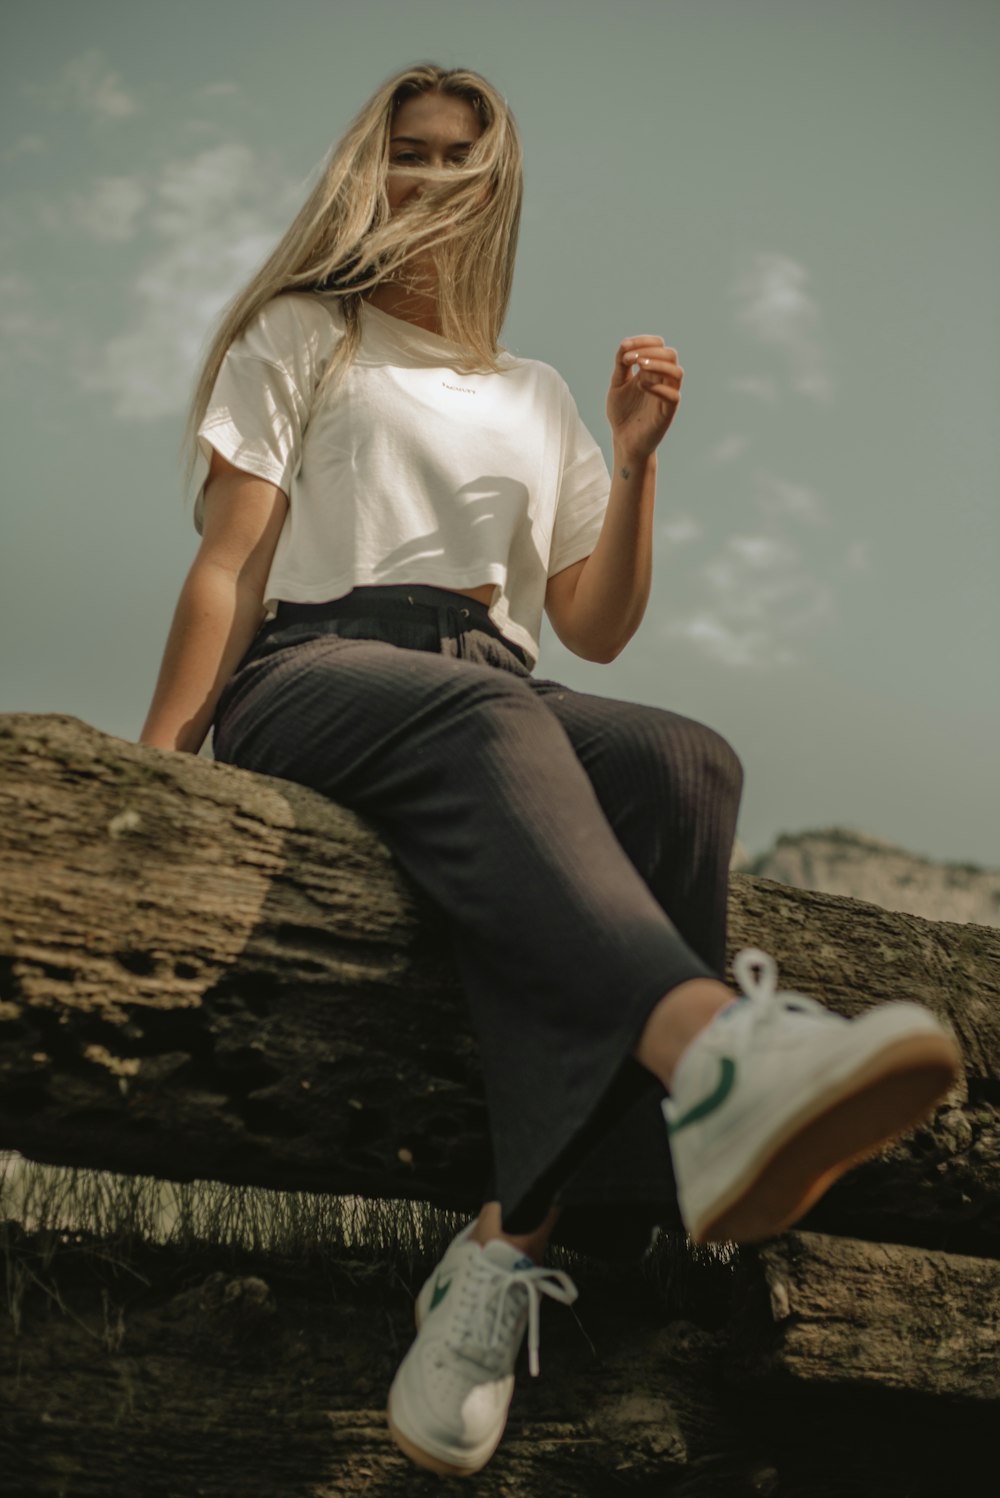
<point>410,472</point>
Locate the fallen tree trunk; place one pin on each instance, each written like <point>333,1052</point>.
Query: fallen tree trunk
<point>206,973</point>
<point>836,1313</point>
<point>171,1379</point>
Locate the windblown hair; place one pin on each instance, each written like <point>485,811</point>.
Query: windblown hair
<point>343,241</point>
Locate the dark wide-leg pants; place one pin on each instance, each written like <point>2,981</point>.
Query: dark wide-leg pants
<point>579,847</point>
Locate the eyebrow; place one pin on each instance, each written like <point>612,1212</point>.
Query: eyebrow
<point>418,140</point>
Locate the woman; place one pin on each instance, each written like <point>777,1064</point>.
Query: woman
<point>389,501</point>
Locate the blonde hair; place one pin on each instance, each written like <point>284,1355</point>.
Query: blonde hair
<point>343,241</point>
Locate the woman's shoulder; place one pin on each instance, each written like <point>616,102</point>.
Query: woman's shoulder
<point>545,376</point>
<point>295,331</point>
<point>294,314</point>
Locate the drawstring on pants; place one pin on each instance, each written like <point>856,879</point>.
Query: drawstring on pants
<point>452,623</point>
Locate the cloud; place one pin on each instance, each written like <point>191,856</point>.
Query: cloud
<point>858,556</point>
<point>757,596</point>
<point>732,446</point>
<point>26,145</point>
<point>214,217</point>
<point>680,530</point>
<point>109,210</point>
<point>28,335</point>
<point>90,84</point>
<point>773,303</point>
<point>211,193</point>
<point>779,499</point>
<point>731,645</point>
<point>742,556</point>
<point>759,600</point>
<point>758,386</point>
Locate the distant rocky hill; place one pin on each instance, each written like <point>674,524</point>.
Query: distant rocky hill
<point>843,862</point>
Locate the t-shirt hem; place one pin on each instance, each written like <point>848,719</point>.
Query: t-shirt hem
<point>294,590</point>
<point>577,553</point>
<point>585,535</point>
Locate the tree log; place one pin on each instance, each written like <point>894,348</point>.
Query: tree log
<point>261,1380</point>
<point>170,1377</point>
<point>206,973</point>
<point>839,1313</point>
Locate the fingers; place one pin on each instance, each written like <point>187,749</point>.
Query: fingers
<point>637,339</point>
<point>664,382</point>
<point>631,348</point>
<point>661,376</point>
<point>645,356</point>
<point>647,364</point>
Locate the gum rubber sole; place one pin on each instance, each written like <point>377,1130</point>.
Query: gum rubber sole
<point>896,1090</point>
<point>426,1459</point>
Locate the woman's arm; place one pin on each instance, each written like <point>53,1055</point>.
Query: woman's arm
<point>597,605</point>
<point>220,606</point>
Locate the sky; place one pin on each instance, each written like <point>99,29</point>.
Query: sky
<point>801,199</point>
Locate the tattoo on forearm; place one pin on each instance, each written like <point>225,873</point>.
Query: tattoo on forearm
<point>626,473</point>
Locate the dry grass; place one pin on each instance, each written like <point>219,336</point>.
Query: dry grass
<point>45,1209</point>
<point>119,1210</point>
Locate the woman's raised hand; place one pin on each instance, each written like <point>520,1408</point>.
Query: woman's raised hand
<point>644,394</point>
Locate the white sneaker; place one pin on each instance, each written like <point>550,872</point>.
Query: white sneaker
<point>449,1400</point>
<point>778,1096</point>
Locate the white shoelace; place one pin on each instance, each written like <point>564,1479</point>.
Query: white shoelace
<point>755,985</point>
<point>762,986</point>
<point>478,1331</point>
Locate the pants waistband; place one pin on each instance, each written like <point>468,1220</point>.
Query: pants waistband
<point>454,613</point>
<point>396,601</point>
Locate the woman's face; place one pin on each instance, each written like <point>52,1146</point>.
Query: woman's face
<point>431,129</point>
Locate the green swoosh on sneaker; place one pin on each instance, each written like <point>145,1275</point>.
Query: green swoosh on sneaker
<point>714,1099</point>
<point>439,1293</point>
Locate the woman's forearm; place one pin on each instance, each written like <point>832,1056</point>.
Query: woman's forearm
<point>217,616</point>
<point>614,584</point>
<point>611,592</point>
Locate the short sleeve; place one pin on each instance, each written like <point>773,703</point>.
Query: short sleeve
<point>257,413</point>
<point>584,487</point>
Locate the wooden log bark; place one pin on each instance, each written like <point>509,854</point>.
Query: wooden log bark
<point>209,973</point>
<point>172,1376</point>
<point>260,1380</point>
<point>839,1313</point>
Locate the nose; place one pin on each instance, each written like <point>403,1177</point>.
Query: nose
<point>415,187</point>
<point>436,162</point>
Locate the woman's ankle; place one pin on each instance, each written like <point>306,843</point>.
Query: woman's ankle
<point>489,1226</point>
<point>679,1016</point>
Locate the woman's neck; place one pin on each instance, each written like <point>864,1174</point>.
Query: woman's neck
<point>413,304</point>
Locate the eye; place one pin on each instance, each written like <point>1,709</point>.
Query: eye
<point>403,157</point>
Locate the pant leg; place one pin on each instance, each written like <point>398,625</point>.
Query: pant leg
<point>670,788</point>
<point>475,785</point>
